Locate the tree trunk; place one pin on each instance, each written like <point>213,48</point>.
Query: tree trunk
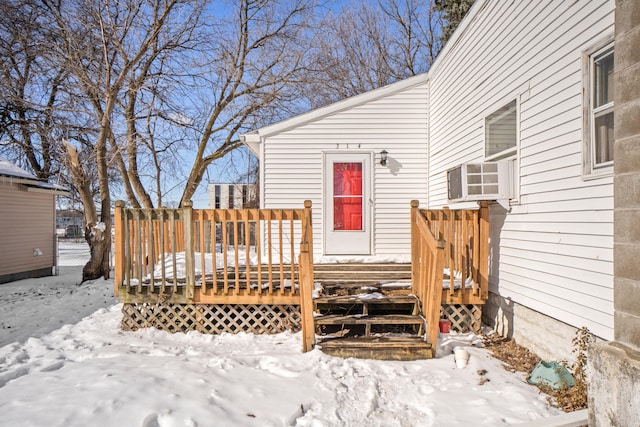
<point>100,245</point>
<point>97,235</point>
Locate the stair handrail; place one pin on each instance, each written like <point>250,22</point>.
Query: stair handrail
<point>466,236</point>
<point>427,265</point>
<point>305,265</point>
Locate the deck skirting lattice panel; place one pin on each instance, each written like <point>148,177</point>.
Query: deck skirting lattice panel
<point>463,318</point>
<point>212,318</point>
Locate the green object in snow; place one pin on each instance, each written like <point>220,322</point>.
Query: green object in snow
<point>552,374</point>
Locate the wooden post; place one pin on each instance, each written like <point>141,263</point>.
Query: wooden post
<point>150,258</point>
<point>118,250</point>
<point>434,294</point>
<point>234,217</point>
<point>484,250</point>
<point>138,255</point>
<point>305,264</point>
<point>258,243</point>
<point>448,226</point>
<point>475,215</point>
<point>202,246</point>
<point>189,256</point>
<point>415,254</point>
<point>161,248</point>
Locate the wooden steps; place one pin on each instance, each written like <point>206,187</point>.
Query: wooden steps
<point>364,319</point>
<point>379,347</point>
<point>354,279</point>
<point>354,299</point>
<point>360,315</point>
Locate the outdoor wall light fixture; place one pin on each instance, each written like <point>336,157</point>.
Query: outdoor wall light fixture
<point>383,157</point>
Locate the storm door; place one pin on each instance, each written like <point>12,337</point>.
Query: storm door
<point>347,215</point>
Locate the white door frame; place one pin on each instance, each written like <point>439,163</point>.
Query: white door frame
<point>347,242</point>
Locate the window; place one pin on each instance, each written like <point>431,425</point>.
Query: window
<point>245,197</point>
<point>217,200</point>
<point>501,132</point>
<point>347,196</point>
<point>232,197</point>
<point>598,110</point>
<point>602,108</point>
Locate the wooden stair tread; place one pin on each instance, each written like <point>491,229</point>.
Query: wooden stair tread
<point>379,347</point>
<point>363,299</point>
<point>351,281</point>
<point>373,267</point>
<point>364,275</point>
<point>376,341</point>
<point>355,284</point>
<point>361,319</point>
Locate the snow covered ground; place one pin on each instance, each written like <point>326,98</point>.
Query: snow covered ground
<point>65,362</point>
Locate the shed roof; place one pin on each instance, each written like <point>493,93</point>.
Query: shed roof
<point>9,170</point>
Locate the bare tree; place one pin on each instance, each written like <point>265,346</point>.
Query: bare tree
<point>368,45</point>
<point>254,61</point>
<point>415,25</point>
<point>147,89</point>
<point>157,82</point>
<point>30,91</point>
<point>109,47</point>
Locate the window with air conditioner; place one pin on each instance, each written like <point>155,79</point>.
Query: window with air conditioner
<point>598,111</point>
<point>501,132</point>
<point>481,181</point>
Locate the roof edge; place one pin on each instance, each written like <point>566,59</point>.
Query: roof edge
<point>338,106</point>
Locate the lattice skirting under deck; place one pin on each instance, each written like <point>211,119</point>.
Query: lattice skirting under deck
<point>463,318</point>
<point>212,319</point>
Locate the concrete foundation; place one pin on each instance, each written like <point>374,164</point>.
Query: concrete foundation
<point>614,375</point>
<point>614,389</point>
<point>547,337</point>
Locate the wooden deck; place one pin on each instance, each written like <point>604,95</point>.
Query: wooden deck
<point>187,261</point>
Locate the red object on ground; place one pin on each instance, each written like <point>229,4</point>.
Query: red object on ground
<point>445,326</point>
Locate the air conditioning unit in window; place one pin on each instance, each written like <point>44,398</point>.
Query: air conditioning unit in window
<point>481,181</point>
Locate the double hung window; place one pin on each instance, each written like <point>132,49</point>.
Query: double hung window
<point>501,132</point>
<point>602,108</point>
<point>598,111</point>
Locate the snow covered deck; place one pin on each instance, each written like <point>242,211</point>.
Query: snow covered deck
<point>263,257</point>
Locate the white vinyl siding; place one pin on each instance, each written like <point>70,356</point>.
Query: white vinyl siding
<point>553,251</point>
<point>397,122</point>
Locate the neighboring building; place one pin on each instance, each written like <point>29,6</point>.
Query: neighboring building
<point>27,224</point>
<point>526,84</point>
<point>233,196</point>
<point>70,223</point>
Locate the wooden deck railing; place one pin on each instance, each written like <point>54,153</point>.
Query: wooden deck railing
<point>449,259</point>
<point>427,263</point>
<point>466,237</point>
<point>216,256</point>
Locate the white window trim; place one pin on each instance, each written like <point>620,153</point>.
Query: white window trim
<point>509,152</point>
<point>589,169</point>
